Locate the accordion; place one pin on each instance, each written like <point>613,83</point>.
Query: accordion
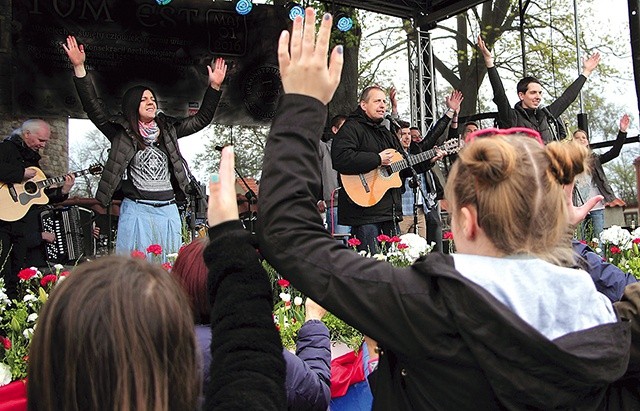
<point>73,228</point>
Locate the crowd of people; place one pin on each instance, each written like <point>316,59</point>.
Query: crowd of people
<point>513,320</point>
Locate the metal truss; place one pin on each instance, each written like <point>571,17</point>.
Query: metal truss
<point>422,84</point>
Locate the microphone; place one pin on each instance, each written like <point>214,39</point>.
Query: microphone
<point>547,113</point>
<point>392,121</point>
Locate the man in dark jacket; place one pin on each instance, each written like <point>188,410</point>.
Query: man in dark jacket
<point>18,153</point>
<point>361,145</point>
<point>527,112</point>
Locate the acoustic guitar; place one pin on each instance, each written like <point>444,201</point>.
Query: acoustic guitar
<point>17,198</point>
<point>368,189</point>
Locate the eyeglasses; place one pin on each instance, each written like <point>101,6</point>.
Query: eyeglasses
<point>490,132</point>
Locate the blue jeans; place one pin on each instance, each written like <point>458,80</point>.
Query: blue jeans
<point>368,233</point>
<point>332,222</point>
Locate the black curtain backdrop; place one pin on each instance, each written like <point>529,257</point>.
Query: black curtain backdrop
<point>166,48</point>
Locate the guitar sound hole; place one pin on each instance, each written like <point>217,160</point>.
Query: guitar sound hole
<point>30,187</point>
<point>385,171</point>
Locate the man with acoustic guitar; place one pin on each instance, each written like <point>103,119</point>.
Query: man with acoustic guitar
<point>18,155</point>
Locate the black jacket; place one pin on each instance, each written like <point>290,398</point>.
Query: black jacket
<point>355,150</point>
<point>597,172</point>
<point>123,146</point>
<point>446,342</point>
<point>530,118</point>
<point>247,367</point>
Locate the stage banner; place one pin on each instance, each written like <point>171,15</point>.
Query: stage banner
<point>164,47</point>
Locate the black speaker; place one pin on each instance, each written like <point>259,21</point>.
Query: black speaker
<point>634,32</point>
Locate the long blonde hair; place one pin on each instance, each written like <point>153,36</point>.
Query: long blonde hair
<point>515,183</point>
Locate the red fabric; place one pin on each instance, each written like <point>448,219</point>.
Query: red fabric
<point>13,396</point>
<point>346,370</point>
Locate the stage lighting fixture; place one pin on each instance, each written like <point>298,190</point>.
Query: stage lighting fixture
<point>344,22</point>
<point>294,10</point>
<point>243,7</point>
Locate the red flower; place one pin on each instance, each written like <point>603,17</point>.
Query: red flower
<point>283,283</point>
<point>27,274</point>
<point>353,242</point>
<point>155,249</point>
<point>6,343</point>
<point>447,235</point>
<point>383,238</point>
<point>583,242</point>
<point>394,239</point>
<point>615,250</point>
<point>51,278</point>
<point>278,327</point>
<point>138,254</point>
<point>402,246</point>
<point>64,273</point>
<point>636,241</point>
<point>166,266</point>
<point>287,303</point>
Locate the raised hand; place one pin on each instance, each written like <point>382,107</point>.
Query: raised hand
<point>217,74</point>
<point>393,98</point>
<point>624,123</point>
<point>454,100</point>
<point>76,55</point>
<point>590,64</point>
<point>222,193</point>
<point>302,57</point>
<point>486,54</point>
<point>313,311</point>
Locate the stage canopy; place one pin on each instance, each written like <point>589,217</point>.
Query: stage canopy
<point>423,11</point>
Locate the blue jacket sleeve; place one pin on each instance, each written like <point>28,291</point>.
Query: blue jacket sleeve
<point>609,279</point>
<point>309,371</point>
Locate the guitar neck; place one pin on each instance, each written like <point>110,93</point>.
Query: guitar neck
<point>60,179</point>
<point>413,160</point>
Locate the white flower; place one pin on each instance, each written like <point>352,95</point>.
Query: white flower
<point>364,253</point>
<point>172,256</point>
<point>5,374</point>
<point>27,333</point>
<point>297,301</point>
<point>29,297</point>
<point>617,236</point>
<point>380,257</point>
<point>598,250</point>
<point>58,267</point>
<point>286,297</point>
<point>416,246</point>
<point>32,317</point>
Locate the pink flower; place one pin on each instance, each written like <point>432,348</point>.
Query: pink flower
<point>402,246</point>
<point>166,266</point>
<point>394,239</point>
<point>636,241</point>
<point>50,278</point>
<point>615,250</point>
<point>155,249</point>
<point>138,254</point>
<point>583,242</point>
<point>27,274</point>
<point>283,283</point>
<point>353,242</point>
<point>383,238</point>
<point>447,235</point>
<point>6,343</point>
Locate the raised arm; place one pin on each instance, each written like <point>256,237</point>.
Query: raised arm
<point>291,234</point>
<point>506,116</point>
<point>617,145</point>
<point>247,367</point>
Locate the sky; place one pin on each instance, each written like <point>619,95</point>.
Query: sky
<point>609,15</point>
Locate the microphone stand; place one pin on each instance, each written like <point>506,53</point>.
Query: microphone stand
<point>553,123</point>
<point>415,187</point>
<point>252,198</point>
